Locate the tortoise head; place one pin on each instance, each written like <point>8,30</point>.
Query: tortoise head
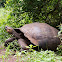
<point>9,29</point>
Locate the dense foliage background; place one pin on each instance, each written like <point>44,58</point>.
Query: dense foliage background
<point>49,11</point>
<point>16,13</point>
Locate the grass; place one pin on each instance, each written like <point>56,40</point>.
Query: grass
<point>42,56</point>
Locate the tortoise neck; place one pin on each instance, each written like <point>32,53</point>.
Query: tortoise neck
<point>15,34</point>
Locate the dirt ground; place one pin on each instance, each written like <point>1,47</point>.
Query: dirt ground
<point>11,58</point>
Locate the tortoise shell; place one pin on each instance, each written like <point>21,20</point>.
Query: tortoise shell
<point>40,34</point>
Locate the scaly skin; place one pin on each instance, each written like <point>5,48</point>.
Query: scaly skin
<point>10,30</point>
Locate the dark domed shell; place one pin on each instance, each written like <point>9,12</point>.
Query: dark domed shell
<point>40,32</point>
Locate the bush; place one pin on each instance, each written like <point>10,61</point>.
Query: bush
<point>60,36</point>
<point>48,11</point>
<point>2,3</point>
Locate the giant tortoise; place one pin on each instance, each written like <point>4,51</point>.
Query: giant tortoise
<point>39,34</point>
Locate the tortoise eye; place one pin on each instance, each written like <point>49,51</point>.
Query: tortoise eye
<point>5,26</point>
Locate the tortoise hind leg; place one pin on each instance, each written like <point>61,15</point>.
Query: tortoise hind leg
<point>23,44</point>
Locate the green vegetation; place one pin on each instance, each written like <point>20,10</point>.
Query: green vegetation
<point>20,12</point>
<point>48,11</point>
<point>42,56</point>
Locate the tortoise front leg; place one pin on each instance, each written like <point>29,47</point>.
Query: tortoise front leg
<point>9,40</point>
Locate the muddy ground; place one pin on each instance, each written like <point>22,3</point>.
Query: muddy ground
<point>10,58</point>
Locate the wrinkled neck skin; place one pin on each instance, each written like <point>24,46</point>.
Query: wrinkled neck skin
<point>15,34</point>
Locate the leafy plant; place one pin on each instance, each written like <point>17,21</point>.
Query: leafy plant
<point>48,11</point>
<point>60,36</point>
